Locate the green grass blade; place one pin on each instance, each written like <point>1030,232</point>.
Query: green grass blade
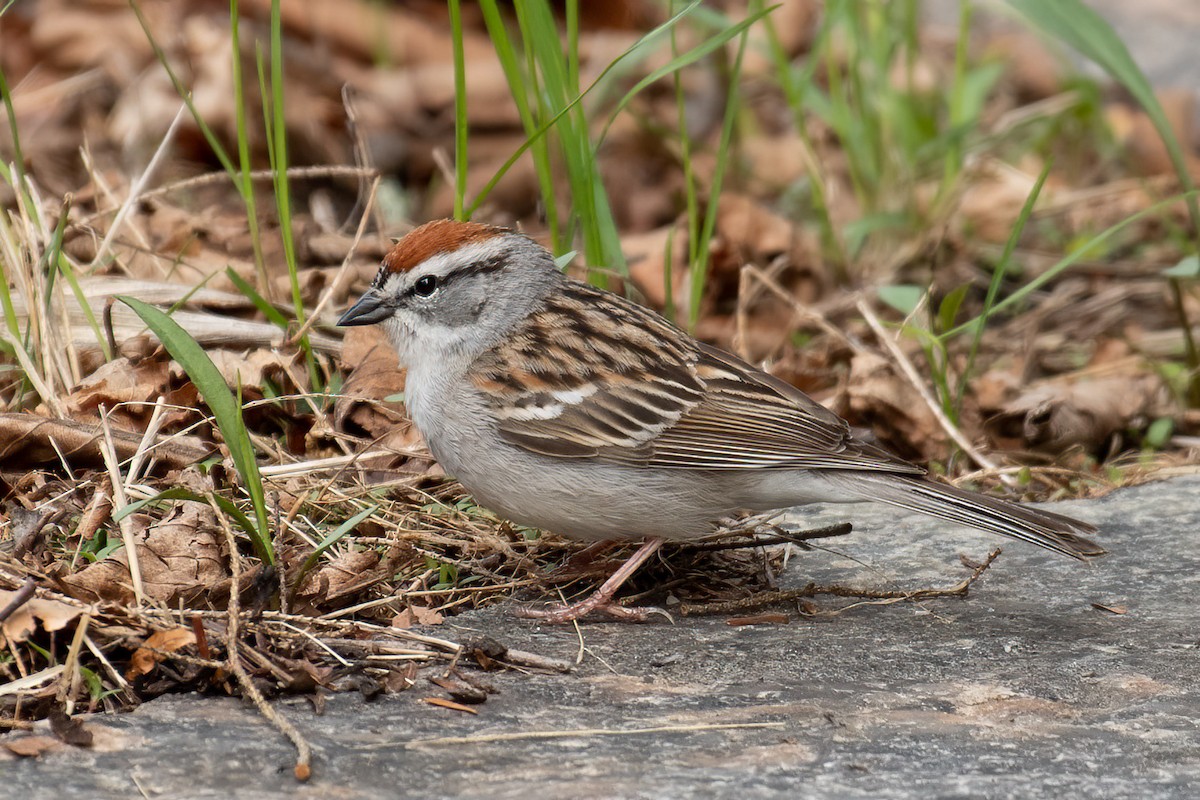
<point>460,109</point>
<point>225,408</point>
<point>1077,255</point>
<point>1081,28</point>
<point>269,311</point>
<point>329,541</point>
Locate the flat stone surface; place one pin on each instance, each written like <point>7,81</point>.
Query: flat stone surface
<point>1024,689</point>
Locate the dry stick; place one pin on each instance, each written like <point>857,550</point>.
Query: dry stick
<point>910,372</point>
<point>301,173</point>
<point>20,598</point>
<point>109,451</point>
<point>764,599</point>
<point>303,768</point>
<point>148,439</point>
<point>135,191</point>
<point>68,682</point>
<point>31,373</point>
<point>803,312</point>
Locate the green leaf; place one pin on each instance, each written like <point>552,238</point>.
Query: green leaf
<point>1159,433</point>
<point>1188,267</point>
<point>902,297</point>
<point>948,310</point>
<point>225,408</point>
<point>329,541</point>
<point>1081,28</point>
<point>269,311</point>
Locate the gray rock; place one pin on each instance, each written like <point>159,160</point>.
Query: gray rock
<point>1024,689</point>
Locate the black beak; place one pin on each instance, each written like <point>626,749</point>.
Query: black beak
<point>369,309</point>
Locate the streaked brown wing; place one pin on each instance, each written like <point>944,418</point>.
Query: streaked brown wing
<point>637,391</point>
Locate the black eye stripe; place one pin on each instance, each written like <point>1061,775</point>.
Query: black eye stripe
<point>427,284</point>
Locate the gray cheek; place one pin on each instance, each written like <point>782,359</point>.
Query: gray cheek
<point>459,312</point>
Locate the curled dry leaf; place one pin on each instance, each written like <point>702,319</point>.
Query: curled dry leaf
<point>53,615</point>
<point>179,557</point>
<point>155,648</point>
<point>32,746</point>
<point>1055,416</point>
<point>118,382</point>
<point>876,393</point>
<point>416,615</point>
<point>28,440</point>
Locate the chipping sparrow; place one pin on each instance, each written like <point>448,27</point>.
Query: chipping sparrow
<point>565,407</point>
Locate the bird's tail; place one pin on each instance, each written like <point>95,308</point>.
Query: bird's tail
<point>1052,531</point>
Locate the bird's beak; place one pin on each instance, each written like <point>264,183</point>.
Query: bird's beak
<point>369,309</point>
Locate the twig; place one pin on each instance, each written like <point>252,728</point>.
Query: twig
<point>20,598</point>
<point>765,599</point>
<point>803,312</point>
<point>109,451</point>
<point>910,372</point>
<point>336,286</point>
<point>783,537</point>
<point>135,191</point>
<point>303,768</point>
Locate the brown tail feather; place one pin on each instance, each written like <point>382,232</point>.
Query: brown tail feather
<point>1055,532</point>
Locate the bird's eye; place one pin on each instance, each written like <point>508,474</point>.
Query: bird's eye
<point>425,286</point>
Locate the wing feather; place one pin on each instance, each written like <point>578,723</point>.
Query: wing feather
<point>621,385</point>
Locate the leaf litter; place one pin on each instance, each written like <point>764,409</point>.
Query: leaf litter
<point>101,613</point>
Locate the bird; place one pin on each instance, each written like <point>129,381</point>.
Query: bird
<point>568,408</point>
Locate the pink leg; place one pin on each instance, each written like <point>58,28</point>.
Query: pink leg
<point>602,599</point>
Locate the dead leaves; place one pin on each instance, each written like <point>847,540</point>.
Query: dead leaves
<point>46,613</point>
<point>1054,416</point>
<point>28,440</point>
<point>179,556</point>
<point>157,647</point>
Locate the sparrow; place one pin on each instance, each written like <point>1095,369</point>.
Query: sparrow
<point>568,408</point>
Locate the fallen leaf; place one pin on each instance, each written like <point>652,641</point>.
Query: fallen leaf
<point>69,730</point>
<point>29,440</point>
<point>416,615</point>
<point>1056,415</point>
<point>52,614</point>
<point>180,560</point>
<point>1110,609</point>
<point>145,658</point>
<point>442,702</point>
<point>32,746</point>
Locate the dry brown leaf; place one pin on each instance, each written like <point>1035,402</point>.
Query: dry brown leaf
<point>120,381</point>
<point>53,615</point>
<point>179,557</point>
<point>32,746</point>
<point>1058,415</point>
<point>25,440</point>
<point>417,615</point>
<point>145,659</point>
<point>1133,128</point>
<point>1119,610</point>
<point>878,397</point>
<point>70,730</point>
<point>992,200</point>
<point>442,702</point>
<point>346,570</point>
<point>253,369</point>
